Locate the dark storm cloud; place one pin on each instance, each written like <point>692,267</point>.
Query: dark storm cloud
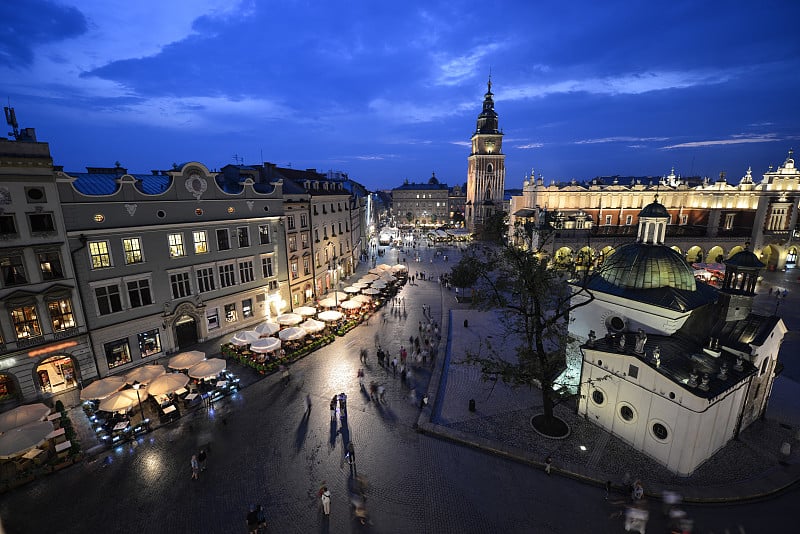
<point>27,23</point>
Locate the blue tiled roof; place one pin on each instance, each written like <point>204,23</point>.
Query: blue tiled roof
<point>106,184</point>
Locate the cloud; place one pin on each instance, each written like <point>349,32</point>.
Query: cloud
<point>737,139</point>
<point>454,70</point>
<point>461,143</point>
<point>620,139</point>
<point>377,157</point>
<point>626,84</point>
<point>530,145</point>
<point>413,112</point>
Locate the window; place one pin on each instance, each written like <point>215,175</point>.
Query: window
<point>306,267</point>
<point>263,234</point>
<point>340,227</point>
<point>176,249</point>
<point>763,366</point>
<point>26,322</point>
<point>99,254</point>
<point>626,412</point>
<point>244,236</point>
<point>205,279</point>
<point>660,431</point>
<point>246,271</point>
<point>212,318</point>
<point>303,220</point>
<point>293,268</point>
<point>266,267</point>
<point>108,299</point>
<point>290,222</point>
<point>633,371</point>
<point>777,219</point>
<point>13,271</point>
<point>292,243</point>
<point>50,265</point>
<point>628,220</point>
<point>223,239</point>
<point>200,240</point>
<point>316,235</point>
<point>8,226</point>
<point>608,219</point>
<point>132,247</point>
<point>230,313</point>
<point>61,316</point>
<point>41,222</point>
<point>304,240</point>
<point>227,275</point>
<point>117,353</point>
<point>149,343</point>
<point>179,282</point>
<point>684,219</point>
<point>598,397</point>
<point>729,220</point>
<point>139,293</point>
<point>247,308</point>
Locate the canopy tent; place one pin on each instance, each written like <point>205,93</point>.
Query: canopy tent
<point>184,360</point>
<point>306,311</point>
<point>267,329</point>
<point>100,389</point>
<point>21,439</point>
<point>122,400</point>
<point>167,383</point>
<point>311,326</point>
<point>207,368</point>
<point>245,337</point>
<point>289,319</point>
<point>22,415</point>
<point>145,374</point>
<point>266,344</point>
<point>330,315</point>
<point>293,333</point>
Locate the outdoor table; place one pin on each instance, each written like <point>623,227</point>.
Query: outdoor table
<point>169,409</point>
<point>122,425</point>
<point>181,391</point>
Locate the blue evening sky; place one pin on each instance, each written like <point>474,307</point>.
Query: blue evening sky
<point>388,90</point>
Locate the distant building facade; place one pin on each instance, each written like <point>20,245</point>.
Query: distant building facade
<point>424,204</point>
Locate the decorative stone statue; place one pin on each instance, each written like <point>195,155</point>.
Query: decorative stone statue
<point>657,355</point>
<point>704,382</point>
<point>621,341</point>
<point>738,365</point>
<point>592,338</point>
<point>723,372</point>
<point>641,339</point>
<point>693,379</point>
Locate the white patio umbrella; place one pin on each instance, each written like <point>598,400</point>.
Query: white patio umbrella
<point>289,319</point>
<point>292,333</point>
<point>22,415</point>
<point>145,374</point>
<point>371,291</point>
<point>100,389</point>
<point>267,329</point>
<point>361,285</point>
<point>184,360</point>
<point>330,315</point>
<point>207,368</point>
<point>350,305</point>
<point>387,277</point>
<point>337,295</point>
<point>378,284</point>
<point>245,337</point>
<point>327,303</point>
<point>122,400</point>
<point>312,325</point>
<point>370,277</point>
<point>306,311</point>
<point>365,280</point>
<point>168,383</point>
<point>399,267</point>
<point>352,289</point>
<point>265,344</point>
<point>21,439</point>
<point>363,299</point>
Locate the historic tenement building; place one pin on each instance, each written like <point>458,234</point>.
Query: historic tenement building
<point>486,168</point>
<point>172,258</point>
<point>423,204</point>
<point>44,341</point>
<point>708,221</point>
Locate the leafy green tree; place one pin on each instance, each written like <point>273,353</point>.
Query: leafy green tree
<point>533,303</point>
<point>495,227</point>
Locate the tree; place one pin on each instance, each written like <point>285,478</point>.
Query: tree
<point>495,227</point>
<point>534,304</point>
<point>409,216</point>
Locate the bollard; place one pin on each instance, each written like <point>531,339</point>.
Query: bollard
<point>472,405</point>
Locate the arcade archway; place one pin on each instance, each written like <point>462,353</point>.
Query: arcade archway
<point>695,255</point>
<point>715,255</point>
<point>735,250</point>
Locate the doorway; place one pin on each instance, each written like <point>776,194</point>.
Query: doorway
<point>185,332</point>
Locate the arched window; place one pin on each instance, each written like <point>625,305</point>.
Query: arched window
<point>490,168</point>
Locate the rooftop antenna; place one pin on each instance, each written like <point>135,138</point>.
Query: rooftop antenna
<point>239,160</point>
<point>11,120</point>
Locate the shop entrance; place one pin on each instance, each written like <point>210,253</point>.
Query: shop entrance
<point>56,374</point>
<point>185,332</point>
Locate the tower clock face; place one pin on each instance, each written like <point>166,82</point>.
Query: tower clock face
<point>489,145</point>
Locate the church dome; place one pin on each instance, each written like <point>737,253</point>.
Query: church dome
<point>647,266</point>
<point>654,209</point>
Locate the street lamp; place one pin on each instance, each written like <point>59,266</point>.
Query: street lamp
<point>136,386</point>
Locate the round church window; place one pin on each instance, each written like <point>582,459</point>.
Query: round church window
<point>626,412</point>
<point>598,397</point>
<point>660,431</point>
<point>617,323</point>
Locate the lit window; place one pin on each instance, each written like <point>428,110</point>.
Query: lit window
<point>247,308</point>
<point>61,316</point>
<point>133,250</point>
<point>200,241</point>
<point>176,249</point>
<point>50,265</point>
<point>26,322</point>
<point>99,254</point>
<point>149,343</point>
<point>117,353</point>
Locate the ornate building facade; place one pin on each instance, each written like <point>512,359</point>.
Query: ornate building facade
<point>708,221</point>
<point>486,171</point>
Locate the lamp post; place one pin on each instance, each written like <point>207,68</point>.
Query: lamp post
<point>136,386</point>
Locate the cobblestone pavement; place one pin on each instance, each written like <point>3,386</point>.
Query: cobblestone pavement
<point>264,450</point>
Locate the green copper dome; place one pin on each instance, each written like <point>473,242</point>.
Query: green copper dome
<point>646,266</point>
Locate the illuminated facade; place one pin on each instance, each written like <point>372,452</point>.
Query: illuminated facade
<point>708,221</point>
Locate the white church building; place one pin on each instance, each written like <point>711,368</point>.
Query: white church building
<point>674,367</point>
